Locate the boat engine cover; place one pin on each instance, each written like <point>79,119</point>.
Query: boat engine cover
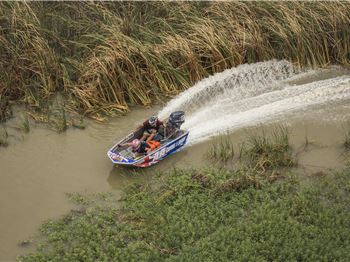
<point>177,118</point>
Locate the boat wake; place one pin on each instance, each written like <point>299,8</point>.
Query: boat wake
<point>252,94</point>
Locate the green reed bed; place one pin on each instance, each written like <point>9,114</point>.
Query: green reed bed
<point>268,151</point>
<point>203,215</point>
<point>107,56</point>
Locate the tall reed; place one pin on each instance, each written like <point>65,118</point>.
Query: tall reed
<point>109,55</point>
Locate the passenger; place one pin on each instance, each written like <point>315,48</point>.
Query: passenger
<point>142,147</point>
<point>170,131</point>
<point>151,128</point>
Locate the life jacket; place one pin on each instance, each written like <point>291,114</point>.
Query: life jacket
<point>149,144</point>
<point>153,144</point>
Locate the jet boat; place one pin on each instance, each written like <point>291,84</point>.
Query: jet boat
<point>172,140</point>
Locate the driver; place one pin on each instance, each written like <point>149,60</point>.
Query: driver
<point>151,128</point>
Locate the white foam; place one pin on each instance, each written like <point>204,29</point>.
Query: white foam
<point>250,95</point>
<point>245,79</point>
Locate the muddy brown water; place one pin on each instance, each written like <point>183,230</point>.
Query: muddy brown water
<point>37,172</point>
<point>39,168</point>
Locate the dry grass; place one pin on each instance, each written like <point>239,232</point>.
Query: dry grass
<point>109,55</point>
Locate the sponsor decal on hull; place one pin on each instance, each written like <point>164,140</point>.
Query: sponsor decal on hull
<point>151,159</point>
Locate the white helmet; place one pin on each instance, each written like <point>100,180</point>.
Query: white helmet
<point>153,120</point>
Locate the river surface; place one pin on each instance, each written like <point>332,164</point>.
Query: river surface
<point>39,168</point>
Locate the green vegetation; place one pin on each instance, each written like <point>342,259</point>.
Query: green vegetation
<point>5,111</point>
<point>347,140</point>
<point>203,215</point>
<point>255,212</point>
<point>221,149</point>
<point>3,138</point>
<point>25,126</point>
<point>58,120</point>
<point>79,124</point>
<point>260,151</point>
<point>98,58</point>
<point>105,56</point>
<point>273,151</point>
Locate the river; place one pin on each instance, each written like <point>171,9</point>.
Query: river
<point>39,168</point>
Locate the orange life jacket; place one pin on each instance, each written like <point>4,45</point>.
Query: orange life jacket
<point>153,144</point>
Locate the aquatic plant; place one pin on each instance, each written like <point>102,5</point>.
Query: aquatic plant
<point>268,151</point>
<point>25,126</point>
<point>201,215</point>
<point>5,110</point>
<point>78,198</point>
<point>107,56</point>
<point>79,124</point>
<point>347,140</point>
<point>3,137</point>
<point>221,149</point>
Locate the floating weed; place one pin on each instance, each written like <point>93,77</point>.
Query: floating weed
<point>61,124</point>
<point>57,119</point>
<point>25,243</point>
<point>79,124</point>
<point>78,198</point>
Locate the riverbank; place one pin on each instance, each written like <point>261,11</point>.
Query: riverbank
<point>91,216</point>
<point>203,214</point>
<point>40,165</point>
<point>63,62</point>
<point>39,168</point>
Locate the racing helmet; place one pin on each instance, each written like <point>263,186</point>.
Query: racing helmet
<point>153,120</point>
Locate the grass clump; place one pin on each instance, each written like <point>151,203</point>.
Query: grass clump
<point>5,110</point>
<point>3,138</point>
<point>201,215</point>
<point>346,142</point>
<point>25,126</point>
<point>221,149</point>
<point>59,120</point>
<point>268,151</point>
<point>79,124</point>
